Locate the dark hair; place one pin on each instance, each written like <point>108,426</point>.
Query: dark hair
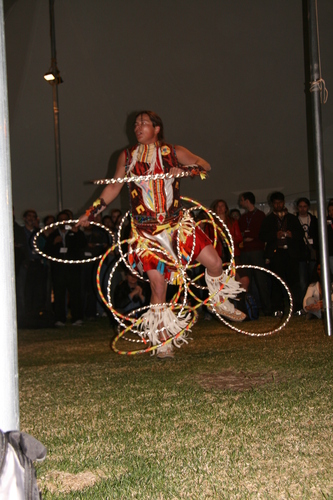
<point>217,202</point>
<point>248,195</point>
<point>106,217</point>
<point>227,215</point>
<point>277,195</point>
<point>303,200</point>
<point>68,212</point>
<point>48,217</point>
<point>30,211</point>
<point>156,121</point>
<point>315,275</point>
<point>233,210</point>
<point>63,212</point>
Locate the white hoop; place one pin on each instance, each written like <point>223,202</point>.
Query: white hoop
<point>67,261</point>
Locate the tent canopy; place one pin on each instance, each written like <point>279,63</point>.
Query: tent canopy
<point>227,78</point>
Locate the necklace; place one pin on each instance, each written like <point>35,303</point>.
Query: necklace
<point>146,153</point>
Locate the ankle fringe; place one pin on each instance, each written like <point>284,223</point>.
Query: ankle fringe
<point>160,323</point>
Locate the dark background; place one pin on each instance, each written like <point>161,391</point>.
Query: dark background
<point>227,77</point>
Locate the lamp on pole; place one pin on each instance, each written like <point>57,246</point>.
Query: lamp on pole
<point>53,77</point>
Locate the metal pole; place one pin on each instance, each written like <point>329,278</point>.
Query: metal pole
<point>55,107</point>
<point>9,394</point>
<point>319,161</point>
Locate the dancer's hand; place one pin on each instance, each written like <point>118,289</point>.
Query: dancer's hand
<point>83,221</point>
<point>176,171</point>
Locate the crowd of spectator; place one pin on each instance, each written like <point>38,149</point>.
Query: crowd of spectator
<point>49,292</point>
<point>52,293</point>
<point>284,243</point>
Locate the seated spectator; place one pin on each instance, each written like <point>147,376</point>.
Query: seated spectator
<point>313,299</point>
<point>131,294</point>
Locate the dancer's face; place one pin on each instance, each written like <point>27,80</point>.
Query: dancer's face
<point>145,131</point>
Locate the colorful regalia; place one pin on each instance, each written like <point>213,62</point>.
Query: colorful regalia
<point>156,210</point>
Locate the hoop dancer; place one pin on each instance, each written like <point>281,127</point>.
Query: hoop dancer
<point>157,214</point>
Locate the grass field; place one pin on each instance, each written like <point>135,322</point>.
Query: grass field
<point>230,417</point>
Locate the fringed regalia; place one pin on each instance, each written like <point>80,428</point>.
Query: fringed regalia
<point>157,222</point>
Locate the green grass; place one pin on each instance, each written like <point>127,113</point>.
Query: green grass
<point>119,427</point>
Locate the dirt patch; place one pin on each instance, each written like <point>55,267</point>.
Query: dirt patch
<point>238,381</point>
<point>64,482</point>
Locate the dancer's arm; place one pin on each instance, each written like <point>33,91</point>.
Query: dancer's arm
<point>110,192</point>
<point>185,157</point>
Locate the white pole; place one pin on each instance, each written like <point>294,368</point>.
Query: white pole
<point>9,396</point>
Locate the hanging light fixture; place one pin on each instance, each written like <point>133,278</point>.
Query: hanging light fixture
<point>53,76</point>
<point>54,79</point>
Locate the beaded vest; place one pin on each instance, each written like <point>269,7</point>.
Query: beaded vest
<point>153,201</point>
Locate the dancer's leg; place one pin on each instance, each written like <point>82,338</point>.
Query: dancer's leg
<point>158,287</point>
<point>209,258</point>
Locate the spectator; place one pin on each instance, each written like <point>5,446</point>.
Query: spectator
<point>308,260</point>
<point>131,294</point>
<point>97,242</point>
<point>313,299</point>
<point>220,207</point>
<point>33,279</point>
<point>252,250</point>
<point>66,242</point>
<point>21,256</point>
<point>112,222</point>
<point>49,219</point>
<point>235,214</point>
<point>283,235</point>
<point>107,222</point>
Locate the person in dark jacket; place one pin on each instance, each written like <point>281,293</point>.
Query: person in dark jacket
<point>131,294</point>
<point>283,235</point>
<point>308,261</point>
<point>66,243</point>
